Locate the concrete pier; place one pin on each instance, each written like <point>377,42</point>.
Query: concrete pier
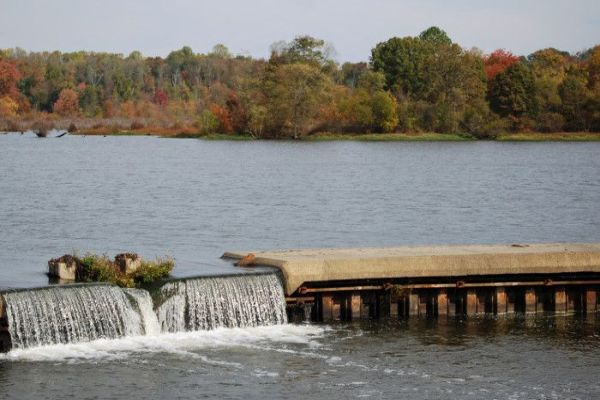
<point>441,281</point>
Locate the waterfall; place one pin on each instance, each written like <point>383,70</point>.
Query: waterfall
<point>144,305</point>
<point>81,313</point>
<point>66,314</point>
<point>222,301</point>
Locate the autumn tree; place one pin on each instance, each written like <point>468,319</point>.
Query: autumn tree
<point>415,83</point>
<point>435,81</point>
<point>90,100</point>
<point>293,94</point>
<point>220,50</point>
<point>9,77</point>
<point>402,61</point>
<point>497,61</point>
<point>67,104</point>
<point>160,98</point>
<point>575,97</point>
<point>591,62</point>
<point>512,92</point>
<point>369,108</point>
<point>8,107</point>
<point>304,49</point>
<point>351,73</point>
<point>548,67</point>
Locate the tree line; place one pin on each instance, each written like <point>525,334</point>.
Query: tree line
<point>425,83</point>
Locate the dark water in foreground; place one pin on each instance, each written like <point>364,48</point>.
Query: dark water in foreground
<point>554,358</point>
<point>194,200</point>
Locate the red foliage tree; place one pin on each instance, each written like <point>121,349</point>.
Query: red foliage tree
<point>160,98</point>
<point>237,113</point>
<point>108,109</point>
<point>497,62</point>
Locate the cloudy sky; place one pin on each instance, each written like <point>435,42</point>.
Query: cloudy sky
<point>250,26</point>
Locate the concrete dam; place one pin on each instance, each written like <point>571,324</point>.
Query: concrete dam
<point>400,282</point>
<point>315,285</point>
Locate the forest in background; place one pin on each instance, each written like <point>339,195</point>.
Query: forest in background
<point>417,84</point>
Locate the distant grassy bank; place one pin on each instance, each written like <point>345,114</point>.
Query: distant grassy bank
<point>128,128</point>
<point>391,137</point>
<point>550,137</point>
<point>368,137</point>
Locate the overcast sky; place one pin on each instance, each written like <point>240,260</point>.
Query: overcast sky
<point>250,26</point>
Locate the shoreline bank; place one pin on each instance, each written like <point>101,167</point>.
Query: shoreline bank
<point>361,137</point>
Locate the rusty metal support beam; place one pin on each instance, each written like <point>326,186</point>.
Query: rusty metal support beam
<point>300,300</point>
<point>460,284</point>
<point>560,300</point>
<point>547,282</point>
<point>327,308</point>
<point>471,302</point>
<point>530,301</point>
<point>355,304</point>
<point>591,300</point>
<point>304,290</point>
<point>501,301</point>
<point>413,304</point>
<point>442,302</point>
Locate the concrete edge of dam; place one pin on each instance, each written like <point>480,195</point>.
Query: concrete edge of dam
<point>323,265</point>
<point>357,283</point>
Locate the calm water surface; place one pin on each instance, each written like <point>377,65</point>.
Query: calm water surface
<point>196,199</point>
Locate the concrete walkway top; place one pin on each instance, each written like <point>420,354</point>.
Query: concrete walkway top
<point>322,265</point>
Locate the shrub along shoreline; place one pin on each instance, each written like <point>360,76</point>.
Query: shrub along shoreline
<point>371,137</point>
<point>346,136</point>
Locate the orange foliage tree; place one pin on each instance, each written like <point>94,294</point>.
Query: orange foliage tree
<point>9,76</point>
<point>222,114</point>
<point>128,109</point>
<point>67,103</point>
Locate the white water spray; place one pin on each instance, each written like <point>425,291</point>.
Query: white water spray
<point>82,313</point>
<point>144,305</point>
<point>70,314</point>
<point>214,302</point>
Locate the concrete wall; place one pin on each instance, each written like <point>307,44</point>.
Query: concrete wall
<point>356,264</point>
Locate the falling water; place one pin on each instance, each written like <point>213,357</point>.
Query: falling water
<point>70,314</point>
<point>144,305</point>
<point>82,313</point>
<point>212,302</point>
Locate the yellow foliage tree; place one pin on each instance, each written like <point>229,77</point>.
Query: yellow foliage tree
<point>8,107</point>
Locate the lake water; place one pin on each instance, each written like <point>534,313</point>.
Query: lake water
<point>195,199</point>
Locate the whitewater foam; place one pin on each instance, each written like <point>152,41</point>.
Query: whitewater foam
<point>186,344</point>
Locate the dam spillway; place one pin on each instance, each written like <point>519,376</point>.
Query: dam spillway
<point>59,315</point>
<point>399,282</point>
<point>75,313</point>
<point>213,302</point>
